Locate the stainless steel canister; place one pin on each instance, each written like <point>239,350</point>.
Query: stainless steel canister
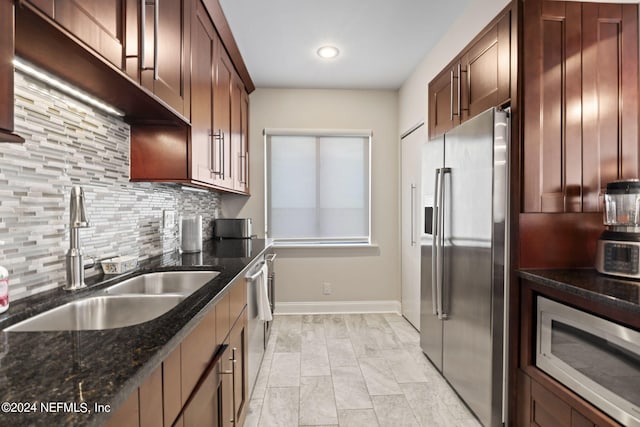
<point>191,234</point>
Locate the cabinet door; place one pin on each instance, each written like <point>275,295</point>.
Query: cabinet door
<point>245,140</point>
<point>166,49</point>
<point>171,385</point>
<point>225,391</point>
<point>610,98</point>
<point>101,24</point>
<point>197,349</point>
<point>238,154</point>
<point>443,102</point>
<point>203,41</point>
<point>238,341</point>
<point>580,102</point>
<point>552,106</point>
<point>222,118</point>
<point>127,415</point>
<point>203,407</point>
<point>485,70</point>
<point>150,400</point>
<point>236,390</point>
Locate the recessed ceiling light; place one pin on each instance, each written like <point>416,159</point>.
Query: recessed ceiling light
<point>328,52</point>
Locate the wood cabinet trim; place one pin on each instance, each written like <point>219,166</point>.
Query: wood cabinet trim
<point>440,86</point>
<point>224,31</point>
<point>7,32</point>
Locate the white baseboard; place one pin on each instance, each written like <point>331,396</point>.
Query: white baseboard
<point>337,307</point>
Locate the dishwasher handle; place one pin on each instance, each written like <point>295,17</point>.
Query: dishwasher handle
<point>254,276</point>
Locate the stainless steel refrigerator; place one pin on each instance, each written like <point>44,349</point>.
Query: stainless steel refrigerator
<point>463,264</point>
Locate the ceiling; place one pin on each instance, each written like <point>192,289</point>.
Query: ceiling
<point>380,41</point>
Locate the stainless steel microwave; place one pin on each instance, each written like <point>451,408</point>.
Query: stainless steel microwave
<point>595,358</point>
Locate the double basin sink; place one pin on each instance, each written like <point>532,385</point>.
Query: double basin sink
<point>130,302</point>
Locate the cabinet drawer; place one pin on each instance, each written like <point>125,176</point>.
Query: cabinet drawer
<point>222,319</point>
<point>238,299</point>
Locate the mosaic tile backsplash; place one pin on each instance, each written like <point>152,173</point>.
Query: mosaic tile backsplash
<point>69,143</point>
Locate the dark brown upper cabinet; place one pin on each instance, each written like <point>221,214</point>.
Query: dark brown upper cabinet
<point>443,102</point>
<point>580,101</point>
<point>166,50</point>
<point>477,79</point>
<point>204,44</point>
<point>485,70</point>
<point>109,27</point>
<point>6,73</point>
<point>222,99</point>
<point>209,153</point>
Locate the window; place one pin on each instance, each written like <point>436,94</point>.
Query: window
<point>318,186</point>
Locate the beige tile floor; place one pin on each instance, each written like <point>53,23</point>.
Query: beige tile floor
<point>350,370</point>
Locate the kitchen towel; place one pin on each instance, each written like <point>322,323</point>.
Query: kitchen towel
<point>264,308</point>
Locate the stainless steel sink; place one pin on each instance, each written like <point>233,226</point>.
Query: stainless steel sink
<point>102,312</point>
<point>170,282</point>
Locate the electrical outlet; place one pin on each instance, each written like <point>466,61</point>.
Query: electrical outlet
<point>326,288</point>
<point>169,219</point>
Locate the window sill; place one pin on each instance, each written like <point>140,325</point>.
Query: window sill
<point>289,245</point>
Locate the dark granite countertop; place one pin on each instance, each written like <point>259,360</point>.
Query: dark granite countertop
<point>591,285</point>
<point>104,367</point>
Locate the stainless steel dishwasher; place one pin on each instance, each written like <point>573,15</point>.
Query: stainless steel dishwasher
<point>258,329</point>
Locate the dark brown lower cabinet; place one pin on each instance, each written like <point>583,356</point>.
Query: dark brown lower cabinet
<point>150,399</point>
<point>127,415</point>
<point>203,407</point>
<point>204,382</point>
<point>238,341</point>
<point>171,387</point>
<point>539,406</point>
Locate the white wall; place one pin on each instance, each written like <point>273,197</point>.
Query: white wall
<point>369,274</point>
<point>413,93</point>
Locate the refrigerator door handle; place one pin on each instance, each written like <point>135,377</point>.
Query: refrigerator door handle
<point>441,216</point>
<point>413,214</point>
<point>434,246</point>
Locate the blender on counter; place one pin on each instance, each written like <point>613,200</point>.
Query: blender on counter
<point>618,250</point>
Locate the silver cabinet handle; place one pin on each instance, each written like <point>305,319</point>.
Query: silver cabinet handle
<point>156,25</point>
<point>156,22</point>
<point>413,211</point>
<point>143,30</point>
<point>233,383</point>
<point>217,138</point>
<point>442,312</point>
<point>232,372</point>
<point>210,135</point>
<point>459,91</point>
<point>222,155</point>
<point>243,168</point>
<point>451,95</point>
<point>434,246</point>
<point>271,257</point>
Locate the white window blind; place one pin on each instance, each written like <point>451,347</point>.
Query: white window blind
<point>318,186</point>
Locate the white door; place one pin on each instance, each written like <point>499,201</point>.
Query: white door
<point>411,215</point>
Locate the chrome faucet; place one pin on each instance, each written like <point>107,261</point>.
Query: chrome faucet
<point>78,219</point>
